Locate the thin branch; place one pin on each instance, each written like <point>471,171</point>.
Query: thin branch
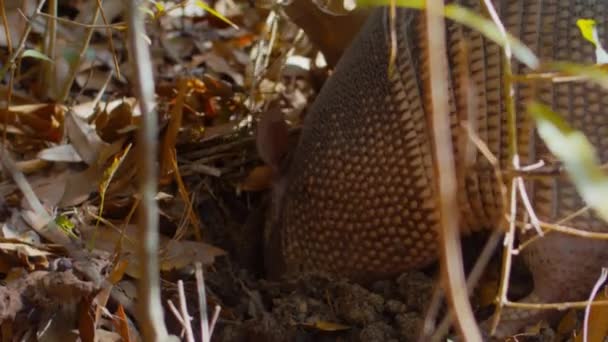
<point>594,292</point>
<point>452,268</point>
<point>184,311</point>
<point>472,280</point>
<point>110,39</point>
<point>202,302</point>
<point>507,260</point>
<point>554,306</point>
<point>28,28</point>
<point>177,316</point>
<point>114,26</point>
<point>50,47</point>
<point>216,315</point>
<point>7,31</point>
<point>151,316</point>
<point>65,91</point>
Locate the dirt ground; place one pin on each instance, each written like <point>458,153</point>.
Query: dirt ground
<point>311,307</point>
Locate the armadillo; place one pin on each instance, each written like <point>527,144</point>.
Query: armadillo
<point>358,197</point>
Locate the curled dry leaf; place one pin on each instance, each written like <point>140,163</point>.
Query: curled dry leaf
<point>42,289</point>
<point>260,178</point>
<point>61,153</point>
<point>17,253</point>
<point>84,138</point>
<point>174,254</point>
<point>111,123</point>
<point>178,254</point>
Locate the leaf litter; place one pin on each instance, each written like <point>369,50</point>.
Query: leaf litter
<point>68,236</point>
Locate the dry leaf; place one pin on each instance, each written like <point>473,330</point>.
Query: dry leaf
<point>121,324</point>
<point>84,138</point>
<point>62,153</point>
<point>326,326</point>
<point>86,321</point>
<point>258,179</point>
<point>598,321</point>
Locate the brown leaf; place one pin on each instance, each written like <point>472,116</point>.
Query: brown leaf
<point>116,121</point>
<point>121,324</point>
<point>326,326</point>
<point>86,321</point>
<point>598,321</point>
<point>61,153</point>
<point>258,179</point>
<point>84,138</point>
<point>272,137</point>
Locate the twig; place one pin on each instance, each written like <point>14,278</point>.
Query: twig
<point>452,268</point>
<point>261,55</point>
<point>513,156</point>
<point>596,288</point>
<point>49,230</point>
<point>151,315</point>
<point>115,26</point>
<point>184,311</point>
<point>110,39</point>
<point>7,31</point>
<point>178,316</point>
<point>216,315</point>
<point>50,47</point>
<point>506,259</point>
<point>428,326</point>
<point>17,52</point>
<point>472,280</point>
<point>65,91</point>
<point>554,306</point>
<point>9,93</point>
<point>202,303</point>
<point>568,217</point>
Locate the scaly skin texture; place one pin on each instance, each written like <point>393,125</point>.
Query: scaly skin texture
<point>359,197</point>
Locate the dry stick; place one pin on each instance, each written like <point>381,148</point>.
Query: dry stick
<point>452,268</point>
<point>28,28</point>
<point>51,43</point>
<point>7,33</point>
<point>490,245</point>
<point>216,315</point>
<point>12,60</point>
<point>184,311</point>
<point>9,44</point>
<point>472,280</point>
<point>428,326</point>
<point>49,230</point>
<point>151,317</point>
<point>76,64</point>
<point>507,259</point>
<point>513,156</point>
<point>202,303</point>
<point>110,39</point>
<point>555,306</point>
<point>594,292</point>
<point>178,316</point>
<point>261,58</point>
<point>114,26</point>
<point>572,231</point>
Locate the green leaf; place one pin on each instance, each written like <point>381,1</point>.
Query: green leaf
<point>474,21</point>
<point>578,155</point>
<point>36,54</point>
<point>588,28</point>
<point>215,13</point>
<point>65,225</point>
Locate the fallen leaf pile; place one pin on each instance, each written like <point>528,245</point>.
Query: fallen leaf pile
<point>68,123</point>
